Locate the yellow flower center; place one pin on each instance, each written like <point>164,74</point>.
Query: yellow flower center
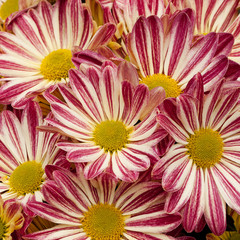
<point>3,229</point>
<point>27,178</point>
<point>103,222</point>
<point>205,147</point>
<point>56,65</point>
<point>172,89</point>
<point>8,7</point>
<point>111,135</point>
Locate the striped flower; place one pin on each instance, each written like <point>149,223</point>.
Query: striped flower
<point>107,120</point>
<point>103,209</point>
<point>201,171</point>
<point>163,50</point>
<point>24,154</point>
<point>11,218</point>
<point>216,16</point>
<point>38,54</point>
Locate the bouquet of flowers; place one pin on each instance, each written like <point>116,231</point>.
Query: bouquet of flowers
<point>120,119</point>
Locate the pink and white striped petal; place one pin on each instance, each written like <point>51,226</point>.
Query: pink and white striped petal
<point>53,214</point>
<point>176,200</point>
<point>55,233</point>
<point>194,208</point>
<point>215,207</point>
<point>154,222</point>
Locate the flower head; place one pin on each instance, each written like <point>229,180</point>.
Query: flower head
<point>164,51</point>
<point>103,209</point>
<point>38,54</point>
<point>107,118</point>
<point>201,170</point>
<point>24,154</point>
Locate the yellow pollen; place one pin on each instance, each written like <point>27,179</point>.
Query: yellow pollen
<point>7,8</point>
<point>103,222</point>
<point>56,65</point>
<point>172,89</point>
<point>26,178</point>
<point>3,229</point>
<point>205,147</point>
<point>111,135</point>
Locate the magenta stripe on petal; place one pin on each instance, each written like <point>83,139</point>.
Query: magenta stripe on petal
<point>55,197</point>
<point>199,57</point>
<point>228,184</point>
<point>154,222</point>
<point>179,43</point>
<point>188,113</point>
<point>215,207</point>
<point>179,134</point>
<point>176,200</point>
<point>52,214</point>
<point>73,191</point>
<point>31,119</point>
<point>93,169</point>
<point>121,171</point>
<point>194,208</point>
<point>54,233</point>
<point>140,99</point>
<point>102,36</point>
<point>176,174</point>
<point>86,93</point>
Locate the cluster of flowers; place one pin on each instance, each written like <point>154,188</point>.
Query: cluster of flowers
<point>120,119</point>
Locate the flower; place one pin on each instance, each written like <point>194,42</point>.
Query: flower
<point>102,115</point>
<point>24,154</point>
<point>103,209</point>
<point>11,218</point>
<point>201,170</point>
<point>38,55</point>
<point>217,16</point>
<point>165,54</point>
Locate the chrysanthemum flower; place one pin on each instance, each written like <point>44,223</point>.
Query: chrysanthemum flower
<point>11,218</point>
<point>103,114</point>
<point>164,52</point>
<point>201,170</point>
<point>103,209</point>
<point>231,234</point>
<point>38,54</point>
<point>216,16</point>
<point>24,154</point>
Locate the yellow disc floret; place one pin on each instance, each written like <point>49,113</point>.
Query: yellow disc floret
<point>7,8</point>
<point>26,178</point>
<point>103,222</point>
<point>172,89</point>
<point>56,65</point>
<point>205,147</point>
<point>111,135</point>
